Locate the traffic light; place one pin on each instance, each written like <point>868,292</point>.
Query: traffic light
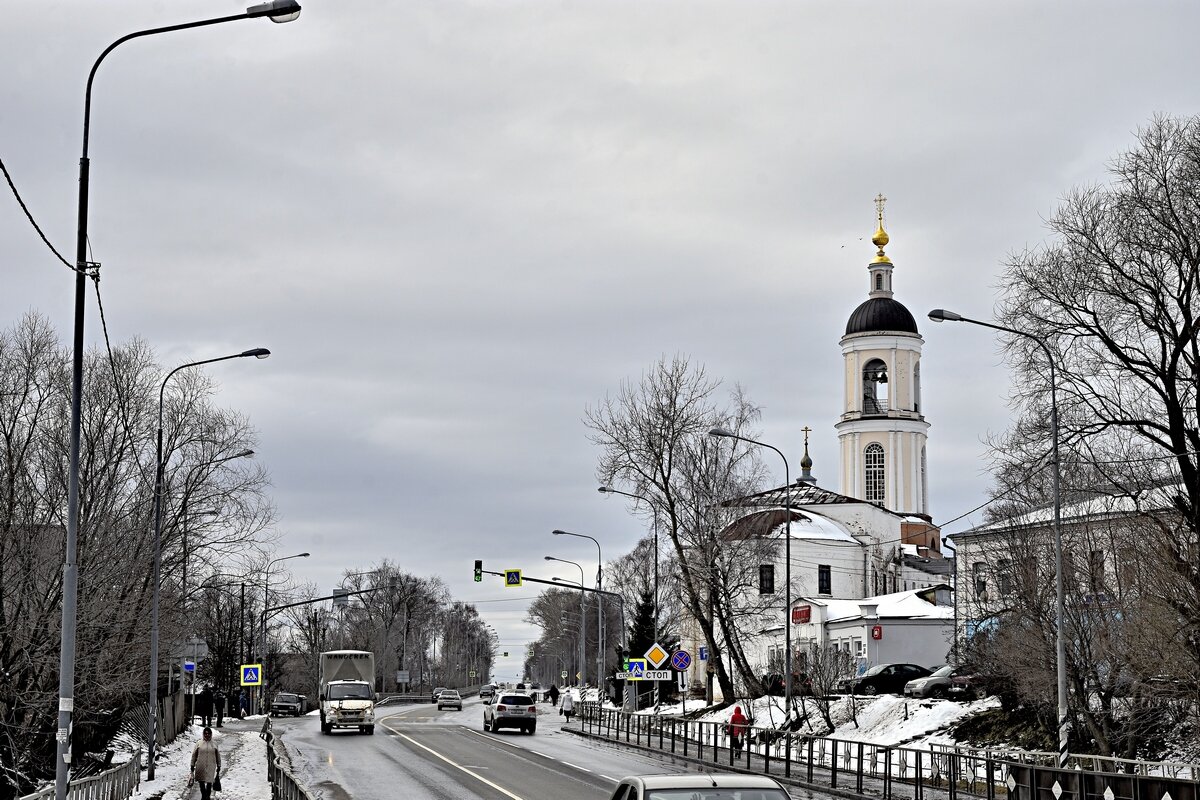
<point>506,654</point>
<point>478,570</point>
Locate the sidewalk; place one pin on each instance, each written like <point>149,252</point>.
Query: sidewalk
<point>243,764</point>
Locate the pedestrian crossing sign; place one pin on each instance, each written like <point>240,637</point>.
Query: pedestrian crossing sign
<point>637,669</point>
<point>251,674</point>
<point>512,577</point>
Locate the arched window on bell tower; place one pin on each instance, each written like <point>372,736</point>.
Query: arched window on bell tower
<point>875,387</point>
<point>873,479</point>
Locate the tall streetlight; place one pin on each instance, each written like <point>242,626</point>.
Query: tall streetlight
<point>942,315</point>
<point>599,605</point>
<point>654,522</point>
<point>266,602</point>
<point>152,717</point>
<point>581,612</point>
<point>787,559</point>
<point>277,11</point>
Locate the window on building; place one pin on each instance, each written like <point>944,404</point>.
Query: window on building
<point>979,579</point>
<point>878,282</point>
<point>1096,569</point>
<point>766,579</point>
<point>1004,576</point>
<point>873,466</point>
<point>875,387</point>
<point>824,579</point>
<point>917,388</point>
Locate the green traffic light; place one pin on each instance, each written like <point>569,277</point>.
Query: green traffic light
<point>478,570</point>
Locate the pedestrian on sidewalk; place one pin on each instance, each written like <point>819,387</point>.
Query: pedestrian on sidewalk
<point>568,705</point>
<point>206,765</point>
<point>204,705</point>
<point>219,706</point>
<point>553,695</point>
<point>738,723</point>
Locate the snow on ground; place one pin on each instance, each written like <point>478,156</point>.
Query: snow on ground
<point>243,764</point>
<point>884,719</point>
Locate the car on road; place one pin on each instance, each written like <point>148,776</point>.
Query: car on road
<point>935,685</point>
<point>437,692</point>
<point>486,691</point>
<point>883,678</point>
<point>449,698</point>
<point>287,704</point>
<point>510,710</point>
<point>703,786</point>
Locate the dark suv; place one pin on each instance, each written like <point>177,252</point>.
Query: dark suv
<point>883,678</point>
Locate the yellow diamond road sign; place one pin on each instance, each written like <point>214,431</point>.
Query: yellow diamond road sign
<point>656,656</point>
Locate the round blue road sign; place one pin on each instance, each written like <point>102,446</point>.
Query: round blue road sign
<point>681,660</point>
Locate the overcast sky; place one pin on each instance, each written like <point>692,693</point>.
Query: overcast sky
<point>458,224</point>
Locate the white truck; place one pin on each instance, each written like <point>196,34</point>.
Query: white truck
<point>347,690</point>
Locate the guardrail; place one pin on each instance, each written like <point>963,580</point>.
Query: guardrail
<point>284,785</point>
<point>873,770</point>
<point>117,783</point>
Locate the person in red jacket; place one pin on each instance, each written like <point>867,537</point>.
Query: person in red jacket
<point>738,725</point>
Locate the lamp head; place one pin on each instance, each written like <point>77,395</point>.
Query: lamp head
<point>549,558</point>
<point>942,315</point>
<point>557,532</point>
<point>277,10</point>
<point>604,489</point>
<point>722,432</point>
<point>245,454</point>
<point>303,555</point>
<point>257,352</point>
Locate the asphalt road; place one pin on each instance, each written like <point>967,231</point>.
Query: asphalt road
<point>420,752</point>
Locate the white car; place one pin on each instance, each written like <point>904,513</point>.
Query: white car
<point>704,786</point>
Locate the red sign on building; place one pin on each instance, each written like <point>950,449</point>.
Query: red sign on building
<point>877,632</point>
<point>801,615</point>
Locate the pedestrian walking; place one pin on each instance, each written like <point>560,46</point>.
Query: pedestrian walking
<point>553,695</point>
<point>568,705</point>
<point>219,706</point>
<point>206,765</point>
<point>204,705</point>
<point>738,724</point>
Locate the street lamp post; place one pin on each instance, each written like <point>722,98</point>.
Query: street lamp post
<point>787,561</point>
<point>266,602</point>
<point>942,315</point>
<point>152,717</point>
<point>599,605</point>
<point>278,11</point>
<point>654,523</point>
<point>582,623</point>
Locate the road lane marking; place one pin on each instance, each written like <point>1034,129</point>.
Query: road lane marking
<point>457,766</point>
<point>494,738</point>
<point>576,766</point>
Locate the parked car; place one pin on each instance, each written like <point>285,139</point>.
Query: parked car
<point>486,691</point>
<point>286,703</point>
<point>510,710</point>
<point>883,678</point>
<point>449,698</point>
<point>967,686</point>
<point>706,786</point>
<point>935,685</point>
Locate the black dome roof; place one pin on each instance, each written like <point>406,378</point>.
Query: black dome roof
<point>881,314</point>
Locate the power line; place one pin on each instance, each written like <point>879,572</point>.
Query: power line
<point>32,221</point>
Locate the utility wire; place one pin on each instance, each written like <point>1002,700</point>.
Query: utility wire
<point>32,221</point>
<point>112,363</point>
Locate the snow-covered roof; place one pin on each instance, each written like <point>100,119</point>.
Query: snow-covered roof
<point>897,605</point>
<point>1100,506</point>
<point>814,526</point>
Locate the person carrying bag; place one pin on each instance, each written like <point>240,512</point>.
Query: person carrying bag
<point>206,766</point>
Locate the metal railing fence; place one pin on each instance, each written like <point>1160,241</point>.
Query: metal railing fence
<point>117,783</point>
<point>879,771</point>
<point>284,785</point>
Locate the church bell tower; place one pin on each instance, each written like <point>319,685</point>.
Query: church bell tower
<point>882,432</point>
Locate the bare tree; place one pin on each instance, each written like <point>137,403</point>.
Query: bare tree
<point>1114,298</point>
<point>653,438</point>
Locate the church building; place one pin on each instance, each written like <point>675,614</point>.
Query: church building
<point>873,540</point>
